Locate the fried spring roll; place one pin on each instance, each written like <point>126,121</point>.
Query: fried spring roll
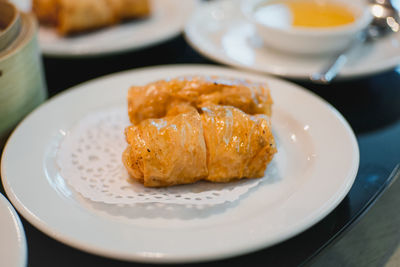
<point>220,145</point>
<point>72,16</point>
<point>167,151</point>
<point>238,145</point>
<point>127,9</point>
<point>46,11</point>
<point>155,99</point>
<point>78,16</point>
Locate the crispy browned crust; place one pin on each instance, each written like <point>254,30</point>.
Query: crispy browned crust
<point>46,11</point>
<point>181,136</point>
<point>167,151</point>
<point>154,99</point>
<point>75,16</point>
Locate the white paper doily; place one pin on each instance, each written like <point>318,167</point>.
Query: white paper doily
<point>90,160</point>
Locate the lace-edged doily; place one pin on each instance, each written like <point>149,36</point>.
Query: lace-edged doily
<point>89,159</point>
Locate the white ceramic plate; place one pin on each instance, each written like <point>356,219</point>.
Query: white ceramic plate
<point>13,250</point>
<point>313,171</point>
<point>219,31</point>
<point>166,21</point>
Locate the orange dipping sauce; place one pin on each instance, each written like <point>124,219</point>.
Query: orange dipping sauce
<point>303,13</point>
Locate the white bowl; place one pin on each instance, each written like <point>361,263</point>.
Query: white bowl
<point>307,40</point>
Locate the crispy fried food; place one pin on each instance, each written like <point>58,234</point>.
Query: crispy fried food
<point>76,16</point>
<point>167,151</point>
<point>127,9</point>
<point>220,145</point>
<point>198,128</point>
<point>45,10</point>
<point>153,100</point>
<point>238,145</point>
<point>71,16</point>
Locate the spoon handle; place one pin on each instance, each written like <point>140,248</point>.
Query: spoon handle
<point>331,70</point>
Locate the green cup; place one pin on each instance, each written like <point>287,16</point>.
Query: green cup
<point>22,83</point>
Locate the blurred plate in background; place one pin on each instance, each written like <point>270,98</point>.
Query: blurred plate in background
<point>219,31</point>
<point>166,21</point>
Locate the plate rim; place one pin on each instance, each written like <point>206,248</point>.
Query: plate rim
<point>376,69</point>
<point>25,212</point>
<point>22,244</point>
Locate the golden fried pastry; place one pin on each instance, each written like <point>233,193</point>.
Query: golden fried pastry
<point>198,128</point>
<point>127,9</point>
<point>220,145</point>
<point>238,145</point>
<point>167,151</point>
<point>45,10</point>
<point>153,100</point>
<point>71,16</point>
<point>77,16</point>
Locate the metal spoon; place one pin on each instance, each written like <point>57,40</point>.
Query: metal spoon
<point>385,20</point>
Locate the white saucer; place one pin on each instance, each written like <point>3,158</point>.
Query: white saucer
<point>166,21</point>
<point>219,31</point>
<point>13,249</point>
<point>315,167</point>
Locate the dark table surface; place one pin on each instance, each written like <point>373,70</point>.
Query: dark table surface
<point>371,105</point>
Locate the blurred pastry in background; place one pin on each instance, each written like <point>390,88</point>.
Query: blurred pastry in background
<point>76,16</point>
<point>45,11</point>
